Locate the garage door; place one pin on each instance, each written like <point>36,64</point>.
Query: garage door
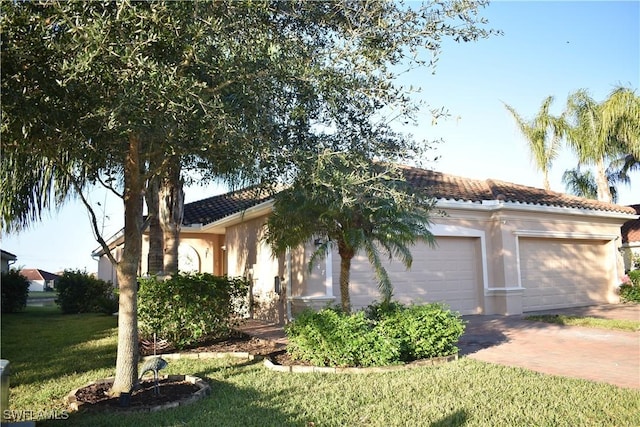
<point>450,273</point>
<point>558,273</point>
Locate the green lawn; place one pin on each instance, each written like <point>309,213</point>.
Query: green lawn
<point>51,354</point>
<point>589,322</point>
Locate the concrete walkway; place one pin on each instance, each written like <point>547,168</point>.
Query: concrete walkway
<point>601,355</point>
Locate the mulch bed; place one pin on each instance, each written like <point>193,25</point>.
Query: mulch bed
<point>95,398</point>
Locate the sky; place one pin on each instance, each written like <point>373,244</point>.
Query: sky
<point>547,48</point>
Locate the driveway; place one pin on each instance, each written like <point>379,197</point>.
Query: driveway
<point>594,354</point>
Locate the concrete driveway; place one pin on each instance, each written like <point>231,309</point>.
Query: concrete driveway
<point>594,354</point>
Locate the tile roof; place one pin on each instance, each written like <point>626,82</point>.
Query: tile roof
<point>451,187</point>
<point>437,184</point>
<point>37,274</point>
<point>630,230</point>
<point>212,209</point>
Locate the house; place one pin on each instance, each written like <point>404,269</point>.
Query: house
<point>40,280</point>
<point>631,241</point>
<point>7,258</point>
<point>502,248</point>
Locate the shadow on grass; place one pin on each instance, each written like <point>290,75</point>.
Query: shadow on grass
<point>456,419</point>
<point>228,405</point>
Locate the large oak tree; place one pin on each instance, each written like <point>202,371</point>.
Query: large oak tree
<point>125,93</point>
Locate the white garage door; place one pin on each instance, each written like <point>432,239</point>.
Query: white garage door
<point>558,273</point>
<point>450,273</point>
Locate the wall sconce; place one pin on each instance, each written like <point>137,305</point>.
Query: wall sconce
<point>223,247</point>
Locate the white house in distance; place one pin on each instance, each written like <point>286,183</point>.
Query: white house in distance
<point>502,248</point>
<point>39,280</point>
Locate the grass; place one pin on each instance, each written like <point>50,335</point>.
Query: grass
<point>51,354</point>
<point>42,295</point>
<point>589,322</point>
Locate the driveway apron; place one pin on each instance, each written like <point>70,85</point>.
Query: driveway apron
<point>601,355</point>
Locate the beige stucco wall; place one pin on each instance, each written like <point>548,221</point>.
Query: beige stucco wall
<point>502,228</point>
<point>249,256</point>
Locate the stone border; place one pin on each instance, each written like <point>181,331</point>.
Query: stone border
<point>203,390</point>
<point>206,355</point>
<point>303,369</point>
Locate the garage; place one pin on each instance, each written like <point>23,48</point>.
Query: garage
<point>558,273</point>
<point>451,273</point>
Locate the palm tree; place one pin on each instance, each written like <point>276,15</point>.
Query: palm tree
<point>543,135</point>
<point>600,132</point>
<point>356,205</point>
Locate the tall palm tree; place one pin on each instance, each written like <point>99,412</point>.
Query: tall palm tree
<point>543,134</point>
<point>356,205</point>
<point>600,132</point>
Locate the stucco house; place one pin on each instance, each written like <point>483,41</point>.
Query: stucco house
<point>631,241</point>
<point>40,280</point>
<point>502,248</point>
<point>7,259</point>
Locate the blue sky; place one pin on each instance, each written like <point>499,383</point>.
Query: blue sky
<point>548,48</point>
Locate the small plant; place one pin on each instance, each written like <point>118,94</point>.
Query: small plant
<point>15,291</point>
<point>382,334</point>
<point>188,308</point>
<point>80,292</point>
<point>629,289</point>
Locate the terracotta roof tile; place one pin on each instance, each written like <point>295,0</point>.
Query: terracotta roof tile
<point>37,274</point>
<point>437,184</point>
<point>631,229</point>
<point>451,187</point>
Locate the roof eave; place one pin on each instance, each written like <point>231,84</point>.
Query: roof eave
<point>496,205</point>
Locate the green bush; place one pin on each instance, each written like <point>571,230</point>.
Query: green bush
<point>423,331</point>
<point>630,288</point>
<point>189,308</point>
<point>80,292</point>
<point>15,290</point>
<point>331,338</point>
<point>382,334</point>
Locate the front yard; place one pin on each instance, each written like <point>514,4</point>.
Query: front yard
<point>51,354</point>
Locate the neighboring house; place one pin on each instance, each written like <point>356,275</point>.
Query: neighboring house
<point>7,259</point>
<point>40,280</point>
<point>631,240</point>
<point>502,248</point>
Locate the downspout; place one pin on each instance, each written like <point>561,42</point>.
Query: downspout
<point>328,279</point>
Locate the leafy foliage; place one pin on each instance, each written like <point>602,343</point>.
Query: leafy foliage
<point>80,292</point>
<point>630,288</point>
<point>357,204</point>
<point>384,334</point>
<point>187,308</point>
<point>15,291</point>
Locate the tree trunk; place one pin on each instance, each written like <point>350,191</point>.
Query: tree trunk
<point>346,255</point>
<point>171,213</point>
<point>155,259</point>
<point>604,193</point>
<point>127,270</point>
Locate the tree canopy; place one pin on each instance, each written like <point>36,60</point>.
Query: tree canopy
<point>118,92</point>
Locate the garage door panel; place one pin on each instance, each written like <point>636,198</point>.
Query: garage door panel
<point>559,273</point>
<point>449,273</point>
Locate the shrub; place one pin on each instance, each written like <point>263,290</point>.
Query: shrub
<point>15,291</point>
<point>189,308</point>
<point>630,288</point>
<point>80,292</point>
<point>331,338</point>
<point>423,331</point>
<point>382,334</point>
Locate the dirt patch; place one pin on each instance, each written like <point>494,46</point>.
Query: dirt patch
<point>94,397</point>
